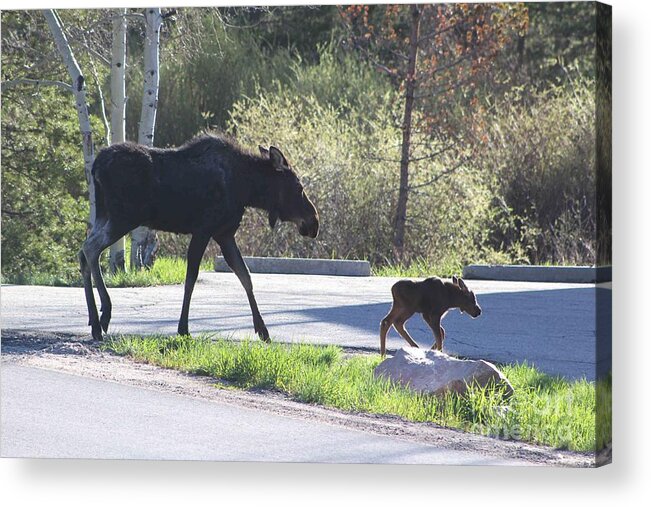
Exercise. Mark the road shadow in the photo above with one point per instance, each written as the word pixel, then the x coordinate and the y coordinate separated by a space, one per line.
pixel 571 327
pixel 20 342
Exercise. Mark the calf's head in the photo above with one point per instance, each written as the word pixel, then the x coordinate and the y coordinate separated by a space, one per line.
pixel 468 301
pixel 293 205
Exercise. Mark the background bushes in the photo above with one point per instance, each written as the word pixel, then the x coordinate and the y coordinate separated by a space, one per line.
pixel 541 158
pixel 526 194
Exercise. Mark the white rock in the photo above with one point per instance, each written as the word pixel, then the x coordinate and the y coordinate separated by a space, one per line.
pixel 431 371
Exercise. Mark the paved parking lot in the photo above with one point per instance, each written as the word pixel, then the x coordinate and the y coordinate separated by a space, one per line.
pixel 551 325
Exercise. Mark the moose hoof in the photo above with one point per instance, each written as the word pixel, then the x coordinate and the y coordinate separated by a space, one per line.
pixel 263 334
pixel 105 319
pixel 96 331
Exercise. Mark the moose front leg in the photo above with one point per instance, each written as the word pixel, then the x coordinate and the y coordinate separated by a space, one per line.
pixel 434 322
pixel 196 249
pixel 233 258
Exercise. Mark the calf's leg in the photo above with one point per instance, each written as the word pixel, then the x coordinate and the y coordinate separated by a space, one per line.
pixel 196 249
pixel 385 325
pixel 399 324
pixel 233 258
pixel 434 322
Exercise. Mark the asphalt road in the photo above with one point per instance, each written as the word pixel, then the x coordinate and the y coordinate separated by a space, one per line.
pixel 48 414
pixel 551 325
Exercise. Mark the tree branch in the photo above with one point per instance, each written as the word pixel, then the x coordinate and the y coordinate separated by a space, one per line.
pixel 442 174
pixel 107 128
pixel 92 52
pixel 35 82
pixel 436 33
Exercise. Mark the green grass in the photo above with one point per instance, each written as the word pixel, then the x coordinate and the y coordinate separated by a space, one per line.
pixel 544 409
pixel 165 271
pixel 419 268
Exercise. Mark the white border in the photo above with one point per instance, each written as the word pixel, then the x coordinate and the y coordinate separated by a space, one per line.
pixel 60 482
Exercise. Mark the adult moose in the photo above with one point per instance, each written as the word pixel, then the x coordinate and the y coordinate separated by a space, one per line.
pixel 200 188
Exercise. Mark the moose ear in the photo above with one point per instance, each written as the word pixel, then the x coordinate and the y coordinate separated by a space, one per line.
pixel 462 284
pixel 455 280
pixel 278 159
pixel 263 151
pixel 273 218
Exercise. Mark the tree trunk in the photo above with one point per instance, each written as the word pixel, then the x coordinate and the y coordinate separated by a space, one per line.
pixel 410 86
pixel 79 91
pixel 118 111
pixel 144 242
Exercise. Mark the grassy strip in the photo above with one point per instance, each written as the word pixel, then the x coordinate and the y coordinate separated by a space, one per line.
pixel 544 409
pixel 419 268
pixel 165 271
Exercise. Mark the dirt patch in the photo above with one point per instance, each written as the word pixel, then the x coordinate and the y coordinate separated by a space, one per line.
pixel 79 355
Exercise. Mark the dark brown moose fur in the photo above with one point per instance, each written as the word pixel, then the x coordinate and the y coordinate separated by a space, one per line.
pixel 432 298
pixel 202 189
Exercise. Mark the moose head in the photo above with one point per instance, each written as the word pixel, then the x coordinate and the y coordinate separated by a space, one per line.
pixel 292 204
pixel 467 301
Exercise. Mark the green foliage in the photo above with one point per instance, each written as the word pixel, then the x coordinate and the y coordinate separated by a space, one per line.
pixel 44 191
pixel 339 135
pixel 198 89
pixel 540 153
pixel 165 271
pixel 44 206
pixel 324 141
pixel 419 268
pixel 281 76
pixel 544 409
pixel 561 37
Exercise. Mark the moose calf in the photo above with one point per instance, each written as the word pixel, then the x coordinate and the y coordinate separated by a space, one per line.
pixel 432 298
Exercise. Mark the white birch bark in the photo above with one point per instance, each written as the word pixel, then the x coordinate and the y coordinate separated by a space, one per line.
pixel 79 91
pixel 153 22
pixel 144 242
pixel 118 110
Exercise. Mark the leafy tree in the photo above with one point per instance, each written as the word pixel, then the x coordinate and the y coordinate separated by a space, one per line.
pixel 44 199
pixel 435 55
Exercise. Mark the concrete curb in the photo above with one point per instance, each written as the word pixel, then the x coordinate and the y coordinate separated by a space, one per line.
pixel 293 266
pixel 559 274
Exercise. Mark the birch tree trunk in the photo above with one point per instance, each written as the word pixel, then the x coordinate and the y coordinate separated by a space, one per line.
pixel 118 111
pixel 79 92
pixel 144 242
pixel 410 86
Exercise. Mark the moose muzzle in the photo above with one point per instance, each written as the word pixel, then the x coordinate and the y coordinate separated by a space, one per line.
pixel 309 227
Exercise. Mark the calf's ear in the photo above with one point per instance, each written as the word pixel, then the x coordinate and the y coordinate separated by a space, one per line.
pixel 455 280
pixel 278 159
pixel 263 151
pixel 462 284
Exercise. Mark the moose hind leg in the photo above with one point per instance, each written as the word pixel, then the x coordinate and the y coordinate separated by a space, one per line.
pixel 400 327
pixel 385 325
pixel 439 344
pixel 93 318
pixel 101 237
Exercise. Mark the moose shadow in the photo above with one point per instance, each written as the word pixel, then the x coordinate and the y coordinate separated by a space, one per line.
pixel 566 331
pixel 561 331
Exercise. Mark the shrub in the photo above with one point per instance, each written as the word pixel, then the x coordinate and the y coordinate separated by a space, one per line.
pixel 335 124
pixel 541 151
pixel 44 203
